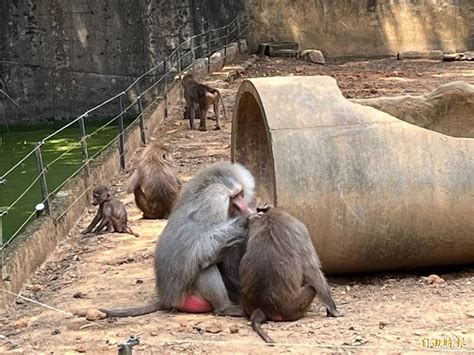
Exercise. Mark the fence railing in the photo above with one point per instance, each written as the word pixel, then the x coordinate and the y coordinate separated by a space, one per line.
pixel 69 151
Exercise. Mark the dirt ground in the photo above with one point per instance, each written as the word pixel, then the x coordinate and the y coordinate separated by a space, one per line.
pixel 385 312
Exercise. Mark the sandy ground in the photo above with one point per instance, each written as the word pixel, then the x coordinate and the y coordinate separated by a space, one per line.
pixel 396 312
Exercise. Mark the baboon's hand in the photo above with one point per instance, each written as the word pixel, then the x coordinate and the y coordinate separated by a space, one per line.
pixel 263 207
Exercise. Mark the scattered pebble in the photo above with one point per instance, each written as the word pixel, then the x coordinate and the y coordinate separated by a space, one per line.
pixel 435 280
pixel 36 288
pixel 21 323
pixel 214 328
pixel 80 348
pixel 95 314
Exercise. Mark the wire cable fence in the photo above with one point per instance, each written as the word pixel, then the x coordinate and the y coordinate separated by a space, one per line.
pixel 38 177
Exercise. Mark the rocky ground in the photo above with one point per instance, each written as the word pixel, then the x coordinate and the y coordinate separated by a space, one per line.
pixel 396 312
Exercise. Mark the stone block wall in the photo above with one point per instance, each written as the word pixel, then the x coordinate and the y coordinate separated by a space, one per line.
pixel 365 27
pixel 60 57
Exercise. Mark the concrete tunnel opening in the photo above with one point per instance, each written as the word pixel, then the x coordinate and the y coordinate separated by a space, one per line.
pixel 253 149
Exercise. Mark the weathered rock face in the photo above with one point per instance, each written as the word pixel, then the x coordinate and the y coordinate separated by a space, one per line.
pixel 435 54
pixel 449 109
pixel 59 58
pixel 365 27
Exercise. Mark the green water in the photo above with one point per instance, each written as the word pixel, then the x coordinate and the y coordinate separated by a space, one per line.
pixel 16 143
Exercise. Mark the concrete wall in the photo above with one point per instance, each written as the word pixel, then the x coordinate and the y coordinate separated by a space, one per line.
pixel 60 57
pixel 365 27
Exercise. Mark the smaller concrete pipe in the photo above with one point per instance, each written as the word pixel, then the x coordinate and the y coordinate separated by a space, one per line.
pixel 376 193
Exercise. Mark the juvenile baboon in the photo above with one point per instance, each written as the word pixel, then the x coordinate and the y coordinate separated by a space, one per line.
pixel 111 214
pixel 197 255
pixel 280 272
pixel 201 97
pixel 154 182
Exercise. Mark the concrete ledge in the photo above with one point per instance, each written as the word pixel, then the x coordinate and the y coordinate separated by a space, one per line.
pixel 433 54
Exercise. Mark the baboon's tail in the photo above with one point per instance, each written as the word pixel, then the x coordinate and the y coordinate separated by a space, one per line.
pixel 131 312
pixel 323 292
pixel 130 231
pixel 257 318
pixel 222 102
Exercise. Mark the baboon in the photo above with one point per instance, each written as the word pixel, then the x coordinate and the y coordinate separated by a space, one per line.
pixel 154 182
pixel 197 114
pixel 280 272
pixel 197 255
pixel 111 214
pixel 201 97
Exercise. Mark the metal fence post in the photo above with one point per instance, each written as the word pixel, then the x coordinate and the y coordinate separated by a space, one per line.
pixel 2 213
pixel 208 43
pixel 85 153
pixel 165 69
pixel 193 50
pixel 3 269
pixel 238 34
pixel 121 136
pixel 140 113
pixel 225 46
pixel 42 172
pixel 179 61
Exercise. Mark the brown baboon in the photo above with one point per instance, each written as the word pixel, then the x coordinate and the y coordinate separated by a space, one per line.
pixel 280 272
pixel 198 253
pixel 201 97
pixel 154 182
pixel 111 214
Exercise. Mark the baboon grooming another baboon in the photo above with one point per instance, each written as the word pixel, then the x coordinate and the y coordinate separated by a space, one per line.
pixel 280 272
pixel 201 97
pixel 198 253
pixel 111 214
pixel 154 182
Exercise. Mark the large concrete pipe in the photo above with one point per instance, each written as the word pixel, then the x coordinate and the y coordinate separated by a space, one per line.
pixel 376 192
